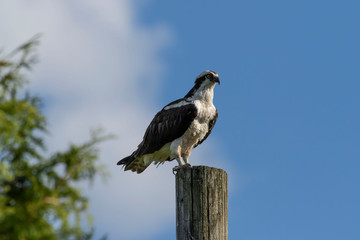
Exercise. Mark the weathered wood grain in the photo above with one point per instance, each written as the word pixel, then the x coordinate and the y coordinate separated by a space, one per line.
pixel 201 204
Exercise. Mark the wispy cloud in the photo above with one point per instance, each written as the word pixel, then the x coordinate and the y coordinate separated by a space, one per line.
pixel 100 68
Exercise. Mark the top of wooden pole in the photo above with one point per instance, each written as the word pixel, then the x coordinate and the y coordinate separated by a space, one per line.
pixel 201 203
pixel 201 168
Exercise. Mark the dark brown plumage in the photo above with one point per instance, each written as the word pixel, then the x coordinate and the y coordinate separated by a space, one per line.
pixel 178 128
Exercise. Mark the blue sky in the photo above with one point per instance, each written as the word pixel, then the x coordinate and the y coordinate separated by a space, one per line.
pixel 289 109
pixel 288 130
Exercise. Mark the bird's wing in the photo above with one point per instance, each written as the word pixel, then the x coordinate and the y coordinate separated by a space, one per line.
pixel 166 126
pixel 210 127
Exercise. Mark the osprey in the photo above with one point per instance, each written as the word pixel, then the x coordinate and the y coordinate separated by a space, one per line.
pixel 178 128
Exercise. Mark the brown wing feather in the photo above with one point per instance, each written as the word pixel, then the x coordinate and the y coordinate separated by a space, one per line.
pixel 166 126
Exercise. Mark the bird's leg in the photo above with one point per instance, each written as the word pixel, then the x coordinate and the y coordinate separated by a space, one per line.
pixel 179 161
pixel 176 168
pixel 185 157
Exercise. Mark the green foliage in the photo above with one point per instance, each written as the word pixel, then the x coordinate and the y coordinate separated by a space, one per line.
pixel 39 198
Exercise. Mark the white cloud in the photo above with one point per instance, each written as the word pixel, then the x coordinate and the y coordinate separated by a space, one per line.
pixel 100 68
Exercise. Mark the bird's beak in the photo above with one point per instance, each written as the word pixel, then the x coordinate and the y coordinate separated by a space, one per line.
pixel 217 80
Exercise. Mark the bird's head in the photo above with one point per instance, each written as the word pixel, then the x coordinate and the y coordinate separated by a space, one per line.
pixel 207 77
pixel 205 82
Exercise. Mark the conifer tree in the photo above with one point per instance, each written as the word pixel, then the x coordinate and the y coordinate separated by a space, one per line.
pixel 39 198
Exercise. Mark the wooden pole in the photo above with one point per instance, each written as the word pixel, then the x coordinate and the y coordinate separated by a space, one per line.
pixel 201 204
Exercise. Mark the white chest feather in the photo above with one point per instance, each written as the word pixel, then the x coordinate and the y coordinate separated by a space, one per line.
pixel 206 111
pixel 197 130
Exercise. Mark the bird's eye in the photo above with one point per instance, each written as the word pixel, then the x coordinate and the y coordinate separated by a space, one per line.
pixel 208 76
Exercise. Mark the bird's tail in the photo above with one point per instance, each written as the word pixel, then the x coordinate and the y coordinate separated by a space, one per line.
pixel 125 161
pixel 134 164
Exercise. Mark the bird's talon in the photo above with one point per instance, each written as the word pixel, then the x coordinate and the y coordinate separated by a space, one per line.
pixel 175 169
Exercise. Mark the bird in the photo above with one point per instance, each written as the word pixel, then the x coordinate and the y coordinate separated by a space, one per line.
pixel 177 128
